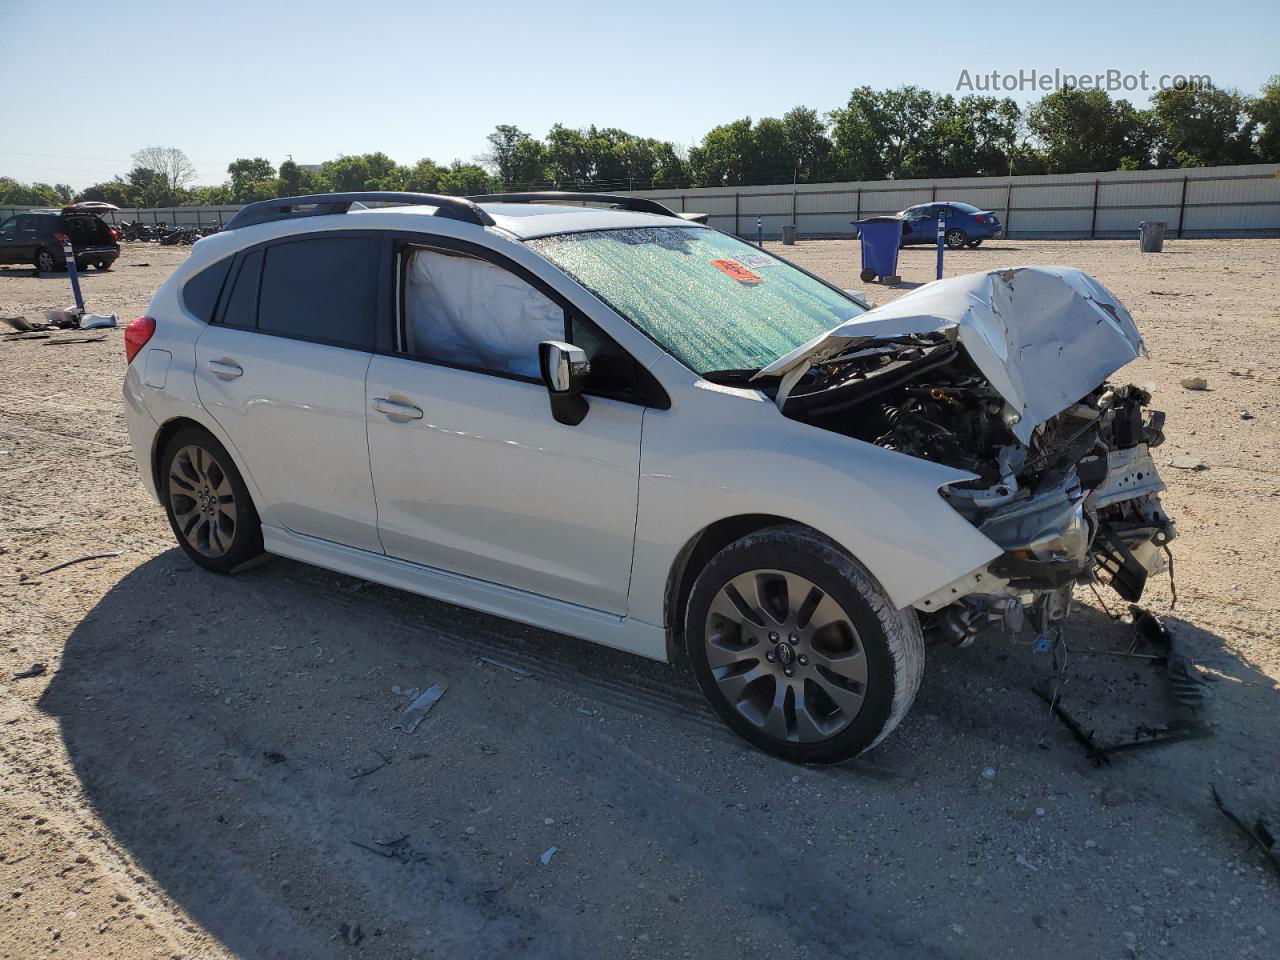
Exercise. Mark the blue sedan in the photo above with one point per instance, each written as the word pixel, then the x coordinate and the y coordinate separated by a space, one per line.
pixel 966 225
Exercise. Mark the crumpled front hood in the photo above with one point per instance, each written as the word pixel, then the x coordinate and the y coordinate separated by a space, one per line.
pixel 1043 336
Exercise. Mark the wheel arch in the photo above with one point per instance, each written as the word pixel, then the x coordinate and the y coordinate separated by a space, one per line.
pixel 695 555
pixel 167 432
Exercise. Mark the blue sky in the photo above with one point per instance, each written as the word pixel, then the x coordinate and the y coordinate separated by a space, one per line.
pixel 316 79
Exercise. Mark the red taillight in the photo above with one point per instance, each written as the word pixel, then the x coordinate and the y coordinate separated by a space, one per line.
pixel 115 234
pixel 136 335
pixel 60 238
pixel 980 217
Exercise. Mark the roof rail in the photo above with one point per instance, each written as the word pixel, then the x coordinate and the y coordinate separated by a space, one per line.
pixel 634 204
pixel 322 204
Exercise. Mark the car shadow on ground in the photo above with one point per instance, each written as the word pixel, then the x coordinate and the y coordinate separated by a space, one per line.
pixel 234 735
pixel 28 273
pixel 985 248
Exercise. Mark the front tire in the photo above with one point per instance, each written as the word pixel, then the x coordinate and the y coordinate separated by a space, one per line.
pixel 799 649
pixel 207 502
pixel 956 238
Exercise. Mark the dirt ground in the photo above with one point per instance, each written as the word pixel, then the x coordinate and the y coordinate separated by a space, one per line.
pixel 206 768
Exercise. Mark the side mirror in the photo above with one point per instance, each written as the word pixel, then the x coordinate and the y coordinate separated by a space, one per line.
pixel 564 369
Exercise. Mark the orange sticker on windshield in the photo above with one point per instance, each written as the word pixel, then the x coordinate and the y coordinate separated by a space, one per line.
pixel 736 270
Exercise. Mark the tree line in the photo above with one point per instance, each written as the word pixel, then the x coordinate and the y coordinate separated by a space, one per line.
pixel 899 134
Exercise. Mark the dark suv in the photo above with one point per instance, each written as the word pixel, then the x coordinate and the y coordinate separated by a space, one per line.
pixel 35 237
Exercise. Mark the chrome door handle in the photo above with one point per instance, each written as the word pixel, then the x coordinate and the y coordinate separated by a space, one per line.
pixel 224 369
pixel 397 411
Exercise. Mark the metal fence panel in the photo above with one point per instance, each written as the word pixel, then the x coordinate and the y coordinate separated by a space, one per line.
pixel 1260 220
pixel 1205 201
pixel 1124 221
pixel 1200 201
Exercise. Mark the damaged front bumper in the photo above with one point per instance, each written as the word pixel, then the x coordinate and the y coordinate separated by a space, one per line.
pixel 1116 533
pixel 1003 375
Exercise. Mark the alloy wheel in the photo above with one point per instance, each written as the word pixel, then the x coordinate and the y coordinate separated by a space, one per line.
pixel 202 501
pixel 44 261
pixel 955 238
pixel 786 656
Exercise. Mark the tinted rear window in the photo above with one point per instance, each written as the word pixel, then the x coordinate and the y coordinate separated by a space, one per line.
pixel 242 305
pixel 86 230
pixel 200 293
pixel 322 288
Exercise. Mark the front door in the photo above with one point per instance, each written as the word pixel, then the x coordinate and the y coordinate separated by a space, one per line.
pixel 19 238
pixel 922 226
pixel 472 473
pixel 283 373
pixel 9 240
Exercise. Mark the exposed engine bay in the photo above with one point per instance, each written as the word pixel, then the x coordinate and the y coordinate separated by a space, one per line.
pixel 1071 498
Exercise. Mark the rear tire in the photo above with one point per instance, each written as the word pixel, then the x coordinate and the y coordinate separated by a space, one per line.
pixel 956 238
pixel 207 502
pixel 44 261
pixel 798 648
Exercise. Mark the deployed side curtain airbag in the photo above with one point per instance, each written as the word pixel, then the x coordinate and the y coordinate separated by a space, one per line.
pixel 463 310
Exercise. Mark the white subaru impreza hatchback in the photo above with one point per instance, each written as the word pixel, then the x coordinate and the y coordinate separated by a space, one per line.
pixel 616 423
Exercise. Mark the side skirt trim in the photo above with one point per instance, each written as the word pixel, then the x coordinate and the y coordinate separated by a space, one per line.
pixel 621 633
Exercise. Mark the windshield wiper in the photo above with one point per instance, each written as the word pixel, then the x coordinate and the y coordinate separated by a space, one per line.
pixel 741 375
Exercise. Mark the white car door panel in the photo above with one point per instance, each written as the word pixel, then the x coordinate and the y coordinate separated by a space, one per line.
pixel 283 374
pixel 484 482
pixel 295 412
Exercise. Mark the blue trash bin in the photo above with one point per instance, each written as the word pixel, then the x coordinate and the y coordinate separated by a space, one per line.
pixel 880 238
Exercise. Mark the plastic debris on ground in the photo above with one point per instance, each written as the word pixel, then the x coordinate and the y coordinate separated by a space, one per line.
pixel 399 849
pixel 1259 834
pixel 94 321
pixel 66 563
pixel 1183 685
pixel 383 761
pixel 64 318
pixel 414 713
pixel 520 672
pixel 548 854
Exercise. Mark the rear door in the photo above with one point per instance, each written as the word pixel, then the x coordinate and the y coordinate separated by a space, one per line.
pixel 282 371
pixel 473 474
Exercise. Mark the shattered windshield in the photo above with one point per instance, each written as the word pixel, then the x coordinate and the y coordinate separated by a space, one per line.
pixel 709 299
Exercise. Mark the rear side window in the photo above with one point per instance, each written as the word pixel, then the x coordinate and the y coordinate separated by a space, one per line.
pixel 242 305
pixel 321 288
pixel 200 293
